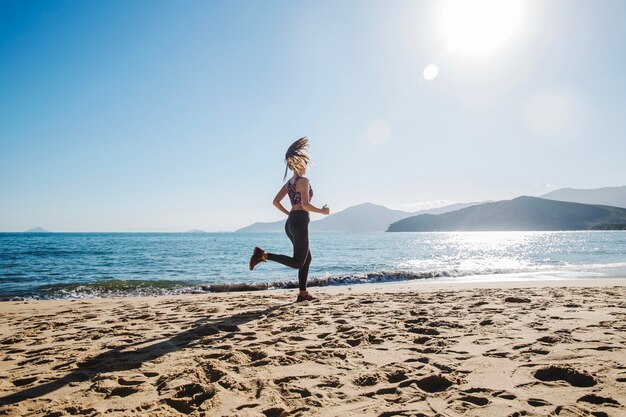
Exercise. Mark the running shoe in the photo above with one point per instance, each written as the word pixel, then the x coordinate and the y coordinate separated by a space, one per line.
pixel 257 256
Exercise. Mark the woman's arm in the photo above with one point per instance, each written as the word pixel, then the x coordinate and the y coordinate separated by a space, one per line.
pixel 303 188
pixel 279 197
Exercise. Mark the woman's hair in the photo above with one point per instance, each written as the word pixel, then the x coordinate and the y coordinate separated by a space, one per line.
pixel 297 156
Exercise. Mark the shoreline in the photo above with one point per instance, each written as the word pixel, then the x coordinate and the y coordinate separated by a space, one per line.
pixel 256 287
pixel 403 348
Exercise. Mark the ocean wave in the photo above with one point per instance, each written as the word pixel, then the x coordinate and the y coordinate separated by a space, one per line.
pixel 137 287
pixel 125 288
pixel 353 279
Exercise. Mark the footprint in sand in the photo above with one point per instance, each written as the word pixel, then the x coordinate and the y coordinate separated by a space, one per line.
pixel 550 340
pixel 473 399
pixel 567 374
pixel 596 399
pixel 432 383
pixel 111 386
pixel 575 411
pixel 131 381
pixel 535 351
pixel 276 412
pixel 537 402
pixel 397 375
pixel 368 379
pixel 21 382
pixel 423 330
pixel 187 398
pixel 330 382
pixel 494 353
pixel 505 395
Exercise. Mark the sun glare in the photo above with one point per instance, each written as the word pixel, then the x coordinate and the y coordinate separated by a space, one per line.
pixel 479 27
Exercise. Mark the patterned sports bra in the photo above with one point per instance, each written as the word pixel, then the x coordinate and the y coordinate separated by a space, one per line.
pixel 294 195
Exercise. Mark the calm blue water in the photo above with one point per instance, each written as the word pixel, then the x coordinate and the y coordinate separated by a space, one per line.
pixel 61 265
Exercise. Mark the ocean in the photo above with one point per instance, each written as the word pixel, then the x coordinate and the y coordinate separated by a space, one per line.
pixel 80 265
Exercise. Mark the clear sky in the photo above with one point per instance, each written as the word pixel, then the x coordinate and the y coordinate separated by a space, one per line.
pixel 171 115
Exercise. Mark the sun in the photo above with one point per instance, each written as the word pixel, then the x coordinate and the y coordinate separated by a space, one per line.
pixel 479 27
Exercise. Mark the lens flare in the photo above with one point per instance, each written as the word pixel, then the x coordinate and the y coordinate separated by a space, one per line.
pixel 378 132
pixel 430 72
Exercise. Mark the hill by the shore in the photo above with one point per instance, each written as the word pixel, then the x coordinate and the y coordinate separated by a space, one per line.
pixel 607 196
pixel 522 213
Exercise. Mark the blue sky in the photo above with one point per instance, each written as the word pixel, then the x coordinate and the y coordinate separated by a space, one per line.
pixel 167 116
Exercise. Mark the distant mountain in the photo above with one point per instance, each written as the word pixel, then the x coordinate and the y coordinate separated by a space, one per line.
pixel 195 231
pixel 37 229
pixel 607 196
pixel 261 227
pixel 522 213
pixel 366 217
pixel 447 209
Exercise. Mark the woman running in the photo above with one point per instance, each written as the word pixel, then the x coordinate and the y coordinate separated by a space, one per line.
pixel 297 226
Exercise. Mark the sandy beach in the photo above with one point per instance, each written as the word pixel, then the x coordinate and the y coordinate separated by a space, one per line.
pixel 530 348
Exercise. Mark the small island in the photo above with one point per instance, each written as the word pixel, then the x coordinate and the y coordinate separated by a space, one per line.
pixel 37 229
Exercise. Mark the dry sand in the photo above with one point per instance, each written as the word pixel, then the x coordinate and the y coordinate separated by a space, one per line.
pixel 521 349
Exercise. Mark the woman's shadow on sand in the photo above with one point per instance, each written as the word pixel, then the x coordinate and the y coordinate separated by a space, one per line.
pixel 126 357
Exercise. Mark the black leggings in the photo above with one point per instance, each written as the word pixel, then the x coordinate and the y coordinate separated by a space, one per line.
pixel 297 229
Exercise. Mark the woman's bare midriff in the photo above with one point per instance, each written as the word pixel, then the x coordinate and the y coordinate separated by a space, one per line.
pixel 296 207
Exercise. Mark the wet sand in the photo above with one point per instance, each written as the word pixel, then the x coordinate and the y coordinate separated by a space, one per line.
pixel 531 348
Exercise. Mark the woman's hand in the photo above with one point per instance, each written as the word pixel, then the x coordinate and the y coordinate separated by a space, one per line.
pixel 325 210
